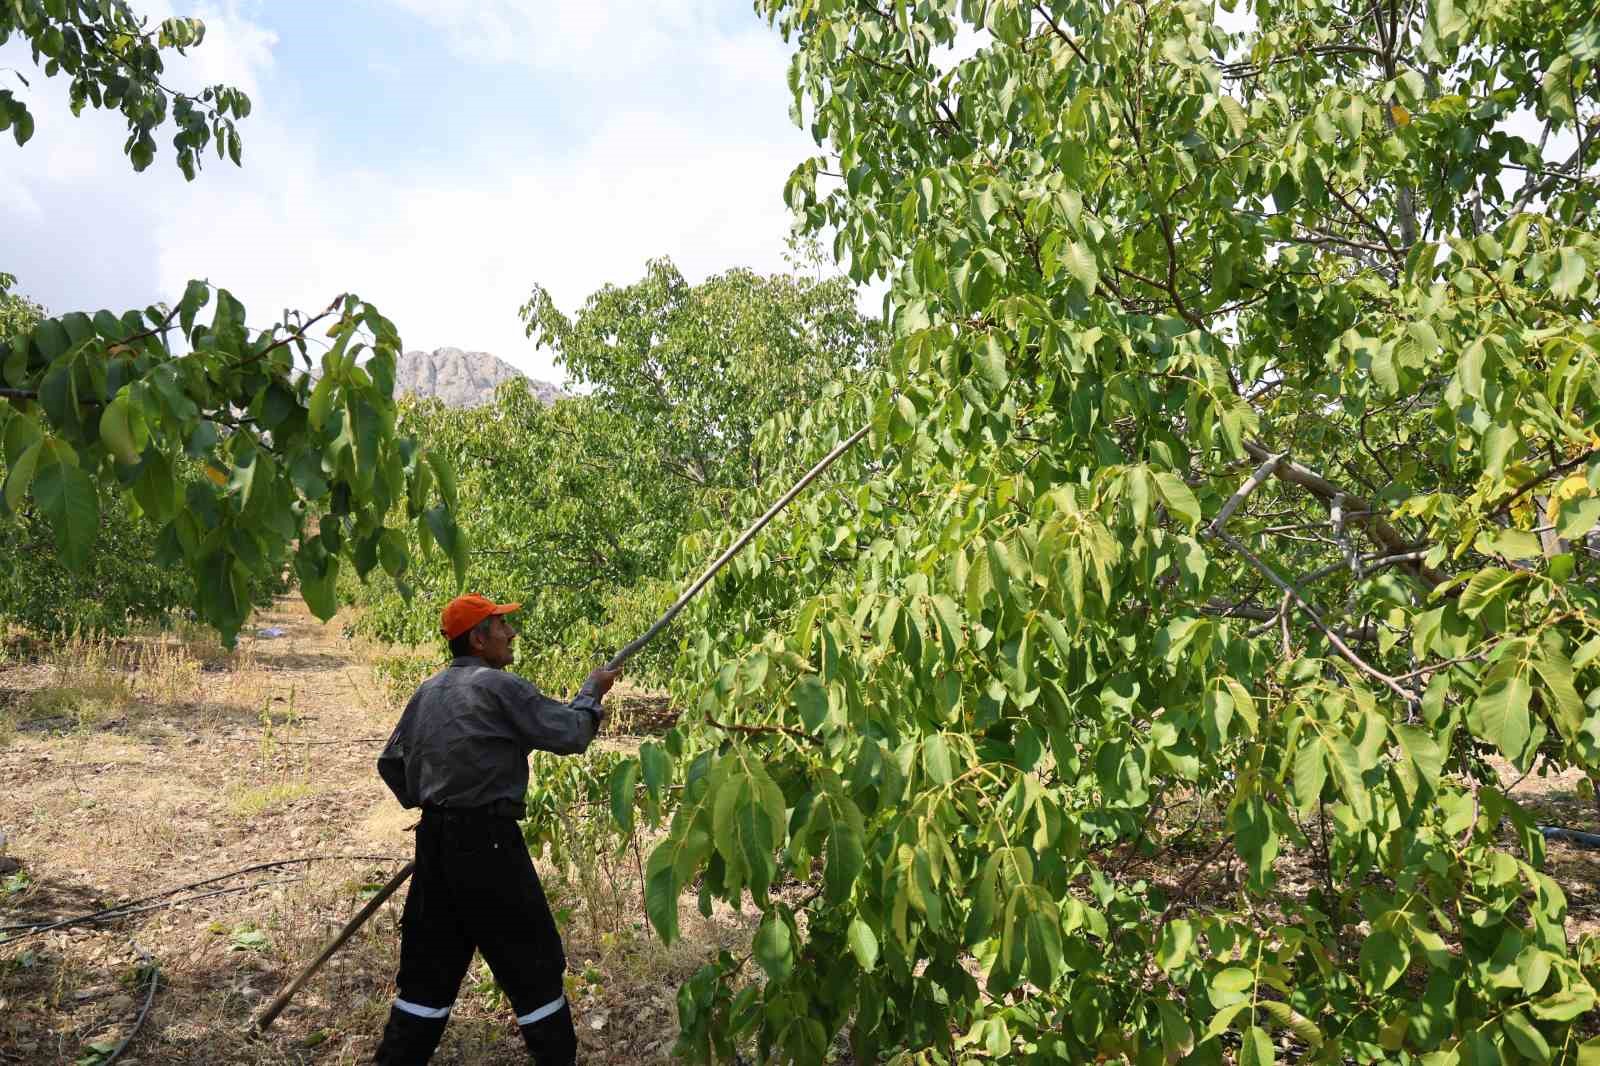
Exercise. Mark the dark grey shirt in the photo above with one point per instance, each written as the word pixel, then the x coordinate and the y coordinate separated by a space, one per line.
pixel 464 738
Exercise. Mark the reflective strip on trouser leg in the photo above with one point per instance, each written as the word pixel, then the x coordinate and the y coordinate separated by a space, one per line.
pixel 420 1011
pixel 543 1012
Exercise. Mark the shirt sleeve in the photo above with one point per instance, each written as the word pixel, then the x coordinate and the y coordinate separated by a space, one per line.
pixel 550 725
pixel 392 760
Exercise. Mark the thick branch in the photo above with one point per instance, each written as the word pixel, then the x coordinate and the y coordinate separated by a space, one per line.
pixel 1262 472
pixel 1359 512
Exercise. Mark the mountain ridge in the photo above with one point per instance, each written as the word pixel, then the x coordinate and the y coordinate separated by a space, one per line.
pixel 461 378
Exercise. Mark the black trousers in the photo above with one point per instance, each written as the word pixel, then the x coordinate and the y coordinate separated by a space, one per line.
pixel 475 888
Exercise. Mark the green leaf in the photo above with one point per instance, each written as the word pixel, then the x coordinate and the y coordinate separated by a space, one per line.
pixel 1578 517
pixel 1081 264
pixel 50 339
pixel 1383 369
pixel 68 499
pixel 863 944
pixel 936 759
pixel 1345 766
pixel 949 616
pixel 991 363
pixel 623 779
pixel 117 433
pixel 1177 1036
pixel 1423 750
pixel 1503 712
pixel 1533 969
pixel 753 673
pixel 1058 634
pixel 1525 1036
pixel 20 477
pixel 305 471
pixel 318 573
pixel 195 296
pixel 1484 587
pixel 446 477
pixel 1383 960
pixel 1568 279
pixel 1177 937
pixel 661 891
pixel 656 766
pixel 811 701
pixel 772 948
pixel 1469 369
pixel 1310 774
pixel 1302 1027
pixel 1234 112
pixel 1230 985
pixel 1572 1002
pixel 451 539
pixel 242 481
pixel 320 406
pixel 1516 544
pixel 21 433
pixel 1565 704
pixel 392 552
pixel 1257 1049
pixel 846 849
pixel 1223 1018
pixel 1178 497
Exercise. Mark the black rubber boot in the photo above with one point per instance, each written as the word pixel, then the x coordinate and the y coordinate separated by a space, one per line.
pixel 409 1040
pixel 552 1041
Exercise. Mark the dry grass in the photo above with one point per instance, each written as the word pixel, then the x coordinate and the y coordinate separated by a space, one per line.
pixel 87 684
pixel 254 802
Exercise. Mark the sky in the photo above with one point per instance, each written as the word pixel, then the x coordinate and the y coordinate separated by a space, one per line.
pixel 438 157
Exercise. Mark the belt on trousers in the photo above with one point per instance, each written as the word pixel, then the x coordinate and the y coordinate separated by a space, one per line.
pixel 502 808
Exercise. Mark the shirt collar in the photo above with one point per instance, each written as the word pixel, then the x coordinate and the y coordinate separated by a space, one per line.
pixel 468 660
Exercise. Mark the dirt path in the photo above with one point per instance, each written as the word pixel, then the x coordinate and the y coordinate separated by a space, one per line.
pixel 118 785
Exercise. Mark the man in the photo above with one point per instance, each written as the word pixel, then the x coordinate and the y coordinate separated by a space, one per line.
pixel 460 752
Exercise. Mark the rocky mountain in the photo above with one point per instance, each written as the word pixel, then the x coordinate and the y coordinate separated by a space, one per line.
pixel 460 379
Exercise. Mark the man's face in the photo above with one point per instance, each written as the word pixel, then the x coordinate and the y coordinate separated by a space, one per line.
pixel 495 649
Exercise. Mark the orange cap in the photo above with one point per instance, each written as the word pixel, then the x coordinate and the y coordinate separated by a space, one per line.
pixel 464 612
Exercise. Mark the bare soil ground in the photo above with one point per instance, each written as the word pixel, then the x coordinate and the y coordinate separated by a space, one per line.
pixel 131 768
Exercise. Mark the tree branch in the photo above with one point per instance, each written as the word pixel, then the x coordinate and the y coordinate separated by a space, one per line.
pixel 1505 505
pixel 1360 511
pixel 1262 472
pixel 1333 638
pixel 763 730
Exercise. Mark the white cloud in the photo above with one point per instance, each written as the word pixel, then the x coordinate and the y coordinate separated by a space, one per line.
pixel 448 250
pixel 591 39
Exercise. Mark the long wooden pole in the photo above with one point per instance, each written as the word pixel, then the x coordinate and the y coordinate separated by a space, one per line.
pixel 733 549
pixel 275 1008
pixel 268 1016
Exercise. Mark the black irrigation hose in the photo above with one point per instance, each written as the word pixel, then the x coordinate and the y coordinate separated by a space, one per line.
pixel 149 998
pixel 1571 836
pixel 109 913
